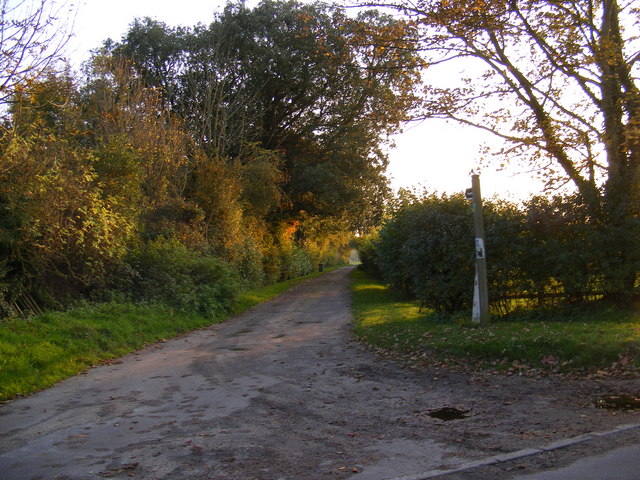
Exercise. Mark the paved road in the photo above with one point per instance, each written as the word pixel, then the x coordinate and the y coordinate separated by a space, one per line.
pixel 281 392
pixel 611 455
pixel 622 463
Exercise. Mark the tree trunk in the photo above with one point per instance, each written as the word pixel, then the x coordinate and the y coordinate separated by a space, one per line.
pixel 619 101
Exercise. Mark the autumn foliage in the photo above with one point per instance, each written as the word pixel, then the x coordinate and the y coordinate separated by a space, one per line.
pixel 190 163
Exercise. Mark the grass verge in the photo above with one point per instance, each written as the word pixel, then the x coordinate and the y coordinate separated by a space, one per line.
pixel 36 353
pixel 600 341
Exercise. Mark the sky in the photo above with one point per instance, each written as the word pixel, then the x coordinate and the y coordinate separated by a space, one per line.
pixel 432 155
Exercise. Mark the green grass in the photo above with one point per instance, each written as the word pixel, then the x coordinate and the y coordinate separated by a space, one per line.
pixel 599 340
pixel 36 353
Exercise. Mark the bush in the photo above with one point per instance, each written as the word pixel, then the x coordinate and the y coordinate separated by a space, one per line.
pixel 510 255
pixel 438 254
pixel 426 252
pixel 250 265
pixel 547 252
pixel 563 246
pixel 296 263
pixel 169 273
pixel 367 254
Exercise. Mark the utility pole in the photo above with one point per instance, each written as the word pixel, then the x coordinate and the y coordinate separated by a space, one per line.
pixel 480 291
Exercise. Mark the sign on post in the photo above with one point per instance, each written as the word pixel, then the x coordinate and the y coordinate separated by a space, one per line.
pixel 480 291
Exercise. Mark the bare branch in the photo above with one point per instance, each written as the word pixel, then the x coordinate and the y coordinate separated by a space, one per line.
pixel 33 36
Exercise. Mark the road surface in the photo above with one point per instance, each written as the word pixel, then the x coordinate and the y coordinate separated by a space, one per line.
pixel 285 392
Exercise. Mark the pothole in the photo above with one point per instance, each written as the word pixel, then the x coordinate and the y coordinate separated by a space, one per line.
pixel 618 402
pixel 448 413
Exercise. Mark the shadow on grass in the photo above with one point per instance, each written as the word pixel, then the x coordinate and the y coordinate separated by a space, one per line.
pixel 553 342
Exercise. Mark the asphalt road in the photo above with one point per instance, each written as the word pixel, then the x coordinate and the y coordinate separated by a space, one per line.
pixel 284 392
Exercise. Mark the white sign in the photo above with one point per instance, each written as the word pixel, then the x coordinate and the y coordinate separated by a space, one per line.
pixel 479 248
pixel 475 315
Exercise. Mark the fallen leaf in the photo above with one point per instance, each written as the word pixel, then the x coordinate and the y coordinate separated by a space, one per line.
pixel 549 360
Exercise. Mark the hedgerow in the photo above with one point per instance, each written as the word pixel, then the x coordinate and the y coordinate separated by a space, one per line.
pixel 544 252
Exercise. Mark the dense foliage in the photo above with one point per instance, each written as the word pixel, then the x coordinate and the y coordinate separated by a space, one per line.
pixel 189 163
pixel 317 88
pixel 558 83
pixel 541 253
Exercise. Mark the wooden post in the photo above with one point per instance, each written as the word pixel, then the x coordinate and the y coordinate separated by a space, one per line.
pixel 481 293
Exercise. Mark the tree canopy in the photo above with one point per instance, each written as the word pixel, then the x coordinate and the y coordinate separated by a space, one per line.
pixel 558 81
pixel 205 158
pixel 305 80
pixel 559 84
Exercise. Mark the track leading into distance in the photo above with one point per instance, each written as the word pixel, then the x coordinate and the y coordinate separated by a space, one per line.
pixel 280 392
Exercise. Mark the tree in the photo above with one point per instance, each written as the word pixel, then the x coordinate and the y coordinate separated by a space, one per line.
pixel 33 35
pixel 158 51
pixel 559 85
pixel 321 89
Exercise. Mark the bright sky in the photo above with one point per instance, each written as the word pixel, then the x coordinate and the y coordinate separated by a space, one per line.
pixel 434 154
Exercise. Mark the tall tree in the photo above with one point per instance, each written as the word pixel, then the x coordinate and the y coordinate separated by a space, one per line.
pixel 321 88
pixel 559 83
pixel 158 51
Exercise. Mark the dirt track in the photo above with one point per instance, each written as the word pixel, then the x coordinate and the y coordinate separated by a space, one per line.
pixel 284 392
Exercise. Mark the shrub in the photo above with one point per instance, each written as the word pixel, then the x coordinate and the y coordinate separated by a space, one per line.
pixel 367 253
pixel 438 254
pixel 250 264
pixel 426 252
pixel 548 251
pixel 167 272
pixel 297 262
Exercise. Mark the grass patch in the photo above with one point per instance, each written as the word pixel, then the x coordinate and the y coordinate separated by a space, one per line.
pixel 36 353
pixel 600 340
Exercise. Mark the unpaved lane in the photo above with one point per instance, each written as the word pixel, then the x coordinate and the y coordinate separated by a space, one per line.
pixel 282 392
